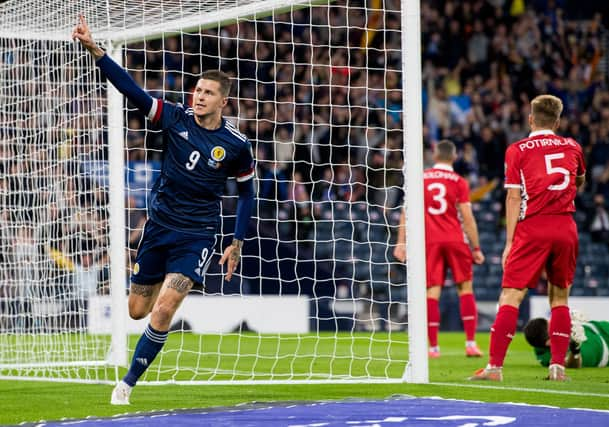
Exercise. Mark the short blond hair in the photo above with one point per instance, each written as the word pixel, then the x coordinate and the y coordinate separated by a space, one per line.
pixel 445 151
pixel 546 110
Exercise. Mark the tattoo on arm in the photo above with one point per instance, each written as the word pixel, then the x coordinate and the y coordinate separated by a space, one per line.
pixel 235 255
pixel 143 290
pixel 180 283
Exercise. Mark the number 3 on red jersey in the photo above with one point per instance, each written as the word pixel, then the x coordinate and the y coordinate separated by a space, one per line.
pixel 438 191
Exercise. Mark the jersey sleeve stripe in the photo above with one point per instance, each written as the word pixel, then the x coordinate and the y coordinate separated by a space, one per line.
pixel 232 129
pixel 155 110
pixel 511 186
pixel 245 176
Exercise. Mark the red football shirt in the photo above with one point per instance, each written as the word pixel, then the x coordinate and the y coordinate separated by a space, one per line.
pixel 444 189
pixel 544 167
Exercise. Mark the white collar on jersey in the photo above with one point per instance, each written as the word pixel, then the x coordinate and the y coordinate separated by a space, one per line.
pixel 541 132
pixel 443 166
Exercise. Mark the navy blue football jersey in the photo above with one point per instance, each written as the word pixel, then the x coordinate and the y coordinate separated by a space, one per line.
pixel 196 165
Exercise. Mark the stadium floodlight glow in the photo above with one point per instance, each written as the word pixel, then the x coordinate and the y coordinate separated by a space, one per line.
pixel 319 88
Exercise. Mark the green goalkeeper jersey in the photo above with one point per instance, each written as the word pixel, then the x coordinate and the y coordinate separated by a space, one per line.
pixel 594 350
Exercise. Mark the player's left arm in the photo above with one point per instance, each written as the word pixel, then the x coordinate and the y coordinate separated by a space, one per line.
pixel 468 224
pixel 245 203
pixel 580 179
pixel 471 230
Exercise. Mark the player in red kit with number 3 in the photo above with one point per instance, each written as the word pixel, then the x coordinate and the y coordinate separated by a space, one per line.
pixel 448 215
pixel 542 174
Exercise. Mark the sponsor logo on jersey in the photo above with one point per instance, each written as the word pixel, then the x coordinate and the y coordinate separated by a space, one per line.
pixel 184 135
pixel 136 268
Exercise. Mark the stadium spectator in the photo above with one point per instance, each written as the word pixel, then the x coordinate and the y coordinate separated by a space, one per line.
pixel 529 52
pixel 381 285
pixel 446 201
pixel 599 225
pixel 274 188
pixel 588 342
pixel 86 271
pixel 542 175
pixel 21 289
pixel 490 149
pixel 600 186
pixel 179 237
pixel 299 196
pixel 467 164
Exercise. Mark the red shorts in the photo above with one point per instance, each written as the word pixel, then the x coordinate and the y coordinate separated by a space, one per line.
pixel 457 256
pixel 542 241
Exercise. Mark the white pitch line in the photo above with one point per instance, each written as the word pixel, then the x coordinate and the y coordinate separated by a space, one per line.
pixel 532 390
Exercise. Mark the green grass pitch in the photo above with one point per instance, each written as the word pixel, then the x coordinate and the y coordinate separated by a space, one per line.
pixel 29 401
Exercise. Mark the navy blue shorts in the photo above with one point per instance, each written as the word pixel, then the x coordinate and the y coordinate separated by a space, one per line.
pixel 163 250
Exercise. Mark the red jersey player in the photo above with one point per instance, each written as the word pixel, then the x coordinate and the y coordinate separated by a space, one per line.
pixel 542 173
pixel 447 198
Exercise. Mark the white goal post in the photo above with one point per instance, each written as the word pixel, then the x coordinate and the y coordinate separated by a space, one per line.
pixel 328 92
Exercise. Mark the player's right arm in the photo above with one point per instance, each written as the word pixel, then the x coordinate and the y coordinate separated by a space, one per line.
pixel 114 73
pixel 574 358
pixel 512 212
pixel 512 199
pixel 399 252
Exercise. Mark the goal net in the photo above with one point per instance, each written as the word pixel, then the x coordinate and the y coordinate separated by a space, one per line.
pixel 317 88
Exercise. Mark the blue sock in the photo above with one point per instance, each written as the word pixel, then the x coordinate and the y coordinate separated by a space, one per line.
pixel 149 345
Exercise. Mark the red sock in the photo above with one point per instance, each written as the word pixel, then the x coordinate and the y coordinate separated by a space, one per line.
pixel 469 315
pixel 560 333
pixel 502 332
pixel 433 321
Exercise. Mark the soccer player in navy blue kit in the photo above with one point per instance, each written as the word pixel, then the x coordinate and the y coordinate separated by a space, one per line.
pixel 201 151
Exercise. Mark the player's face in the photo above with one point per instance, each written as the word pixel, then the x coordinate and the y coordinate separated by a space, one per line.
pixel 207 98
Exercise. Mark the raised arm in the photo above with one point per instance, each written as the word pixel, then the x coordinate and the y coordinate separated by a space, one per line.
pixel 82 33
pixel 113 72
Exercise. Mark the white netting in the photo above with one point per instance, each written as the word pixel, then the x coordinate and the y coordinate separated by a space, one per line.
pixel 124 20
pixel 53 215
pixel 317 89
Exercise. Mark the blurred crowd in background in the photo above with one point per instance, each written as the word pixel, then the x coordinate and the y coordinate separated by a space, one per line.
pixel 319 93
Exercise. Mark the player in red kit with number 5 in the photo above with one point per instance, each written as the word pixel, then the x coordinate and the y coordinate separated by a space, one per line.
pixel 448 215
pixel 542 174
